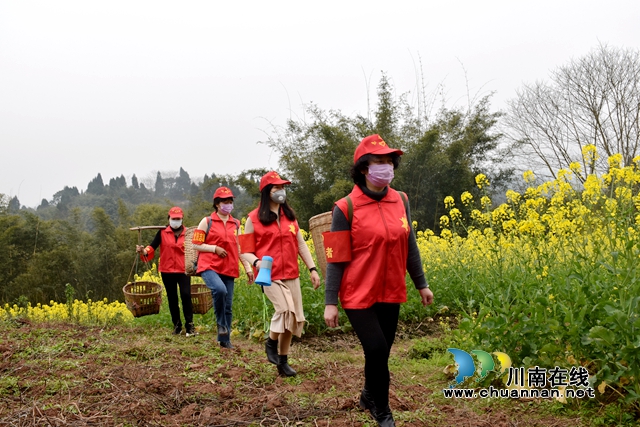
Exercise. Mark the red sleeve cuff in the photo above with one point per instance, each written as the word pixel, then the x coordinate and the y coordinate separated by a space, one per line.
pixel 150 254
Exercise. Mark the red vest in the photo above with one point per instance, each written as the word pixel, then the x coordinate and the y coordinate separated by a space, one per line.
pixel 171 252
pixel 225 236
pixel 280 243
pixel 379 248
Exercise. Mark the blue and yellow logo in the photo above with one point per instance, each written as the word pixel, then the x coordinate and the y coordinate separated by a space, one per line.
pixel 467 367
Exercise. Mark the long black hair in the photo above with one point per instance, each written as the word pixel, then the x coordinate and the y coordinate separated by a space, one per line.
pixel 357 170
pixel 265 215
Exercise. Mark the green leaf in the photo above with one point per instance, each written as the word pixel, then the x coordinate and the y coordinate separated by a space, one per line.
pixel 598 335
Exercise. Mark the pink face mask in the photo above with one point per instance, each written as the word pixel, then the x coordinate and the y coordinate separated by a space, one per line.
pixel 380 175
pixel 226 208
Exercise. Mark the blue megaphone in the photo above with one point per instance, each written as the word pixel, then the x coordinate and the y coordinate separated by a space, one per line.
pixel 264 275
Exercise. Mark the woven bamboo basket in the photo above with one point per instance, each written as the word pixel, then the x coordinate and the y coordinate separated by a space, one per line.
pixel 143 298
pixel 190 253
pixel 201 298
pixel 317 225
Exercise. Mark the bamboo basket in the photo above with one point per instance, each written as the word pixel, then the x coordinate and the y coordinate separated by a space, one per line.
pixel 201 298
pixel 143 298
pixel 190 253
pixel 317 225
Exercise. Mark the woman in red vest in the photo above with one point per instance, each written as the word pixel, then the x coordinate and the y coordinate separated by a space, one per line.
pixel 171 268
pixel 216 240
pixel 276 233
pixel 370 282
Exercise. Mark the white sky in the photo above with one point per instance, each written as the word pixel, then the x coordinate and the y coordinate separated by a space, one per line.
pixel 124 87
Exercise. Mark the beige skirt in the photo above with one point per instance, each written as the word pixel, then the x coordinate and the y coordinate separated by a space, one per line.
pixel 286 297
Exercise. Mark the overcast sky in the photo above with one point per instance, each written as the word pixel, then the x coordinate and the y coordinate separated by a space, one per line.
pixel 124 87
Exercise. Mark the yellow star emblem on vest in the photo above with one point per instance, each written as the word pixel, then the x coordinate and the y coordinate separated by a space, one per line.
pixel 292 228
pixel 405 223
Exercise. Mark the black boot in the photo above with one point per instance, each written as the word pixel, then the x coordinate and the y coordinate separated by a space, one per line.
pixel 385 418
pixel 366 402
pixel 223 331
pixel 283 367
pixel 271 348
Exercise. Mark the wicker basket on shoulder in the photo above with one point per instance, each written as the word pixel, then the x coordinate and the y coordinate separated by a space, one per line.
pixel 201 298
pixel 190 253
pixel 317 225
pixel 143 298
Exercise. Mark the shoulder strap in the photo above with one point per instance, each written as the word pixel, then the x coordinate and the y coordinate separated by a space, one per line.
pixel 405 199
pixel 209 222
pixel 349 209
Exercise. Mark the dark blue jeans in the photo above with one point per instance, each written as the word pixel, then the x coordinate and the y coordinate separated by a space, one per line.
pixel 222 291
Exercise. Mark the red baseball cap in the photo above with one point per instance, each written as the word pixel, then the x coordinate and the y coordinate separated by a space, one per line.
pixel 175 212
pixel 223 193
pixel 373 144
pixel 272 178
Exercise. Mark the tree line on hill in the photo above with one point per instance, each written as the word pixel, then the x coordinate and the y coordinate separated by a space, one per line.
pixel 83 237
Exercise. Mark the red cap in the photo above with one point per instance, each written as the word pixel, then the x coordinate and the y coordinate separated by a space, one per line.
pixel 223 193
pixel 175 212
pixel 272 178
pixel 373 144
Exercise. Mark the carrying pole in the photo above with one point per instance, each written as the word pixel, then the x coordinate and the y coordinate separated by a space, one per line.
pixel 148 227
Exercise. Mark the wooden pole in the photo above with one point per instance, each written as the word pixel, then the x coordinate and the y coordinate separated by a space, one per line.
pixel 149 227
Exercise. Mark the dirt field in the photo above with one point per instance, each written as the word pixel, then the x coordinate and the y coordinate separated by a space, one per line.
pixel 66 375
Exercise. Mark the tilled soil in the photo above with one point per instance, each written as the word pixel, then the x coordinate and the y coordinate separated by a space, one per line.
pixel 66 375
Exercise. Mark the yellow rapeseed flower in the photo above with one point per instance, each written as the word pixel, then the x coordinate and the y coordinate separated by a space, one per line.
pixel 615 161
pixel 575 167
pixel 528 177
pixel 449 202
pixel 466 198
pixel 482 181
pixel 485 201
pixel 589 154
pixel 513 196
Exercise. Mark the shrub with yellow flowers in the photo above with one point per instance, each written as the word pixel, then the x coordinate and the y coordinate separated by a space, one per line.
pixel 100 313
pixel 552 275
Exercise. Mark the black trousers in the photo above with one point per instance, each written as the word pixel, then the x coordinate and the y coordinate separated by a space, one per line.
pixel 376 329
pixel 171 283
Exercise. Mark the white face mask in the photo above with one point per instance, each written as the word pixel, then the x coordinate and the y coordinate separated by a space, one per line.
pixel 175 223
pixel 279 196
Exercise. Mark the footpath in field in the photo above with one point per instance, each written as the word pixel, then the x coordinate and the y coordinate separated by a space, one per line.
pixel 69 375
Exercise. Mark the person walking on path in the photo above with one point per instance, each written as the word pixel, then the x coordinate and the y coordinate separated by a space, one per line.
pixel 272 230
pixel 216 240
pixel 170 240
pixel 376 251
